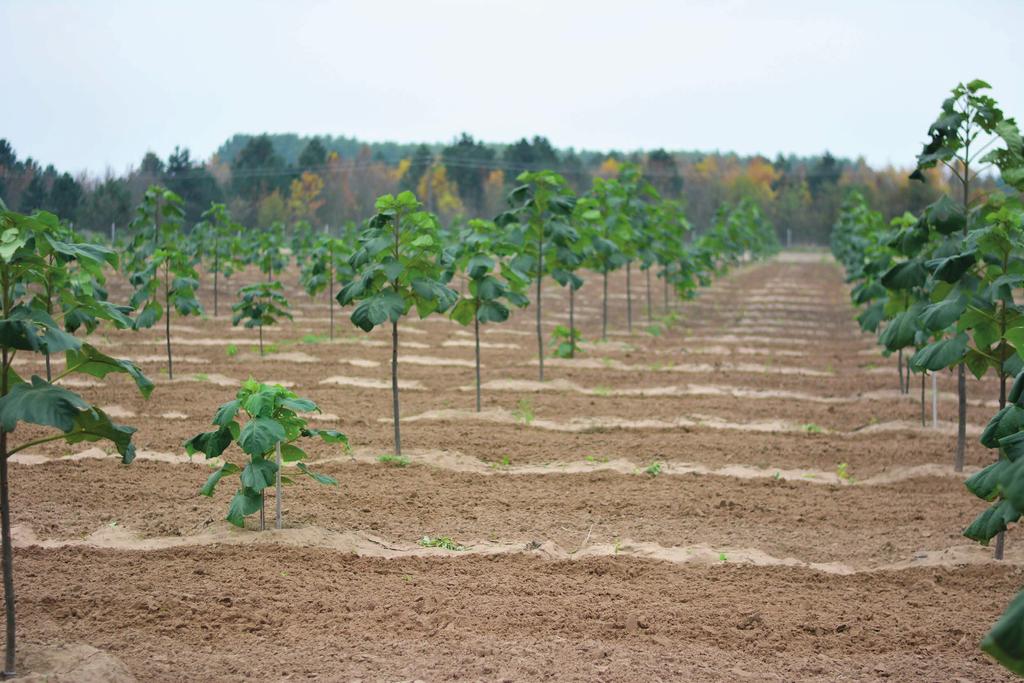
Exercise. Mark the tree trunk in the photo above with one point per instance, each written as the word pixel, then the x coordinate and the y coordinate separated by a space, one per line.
pixel 665 292
pixel 167 319
pixel 330 290
pixel 216 268
pixel 572 321
pixel 650 317
pixel 961 419
pixel 476 333
pixel 540 278
pixel 604 309
pixel 899 368
pixel 261 341
pixel 1001 536
pixel 961 372
pixel 263 509
pixel 935 401
pixel 394 388
pixel 629 297
pixel 277 494
pixel 5 534
pixel 923 421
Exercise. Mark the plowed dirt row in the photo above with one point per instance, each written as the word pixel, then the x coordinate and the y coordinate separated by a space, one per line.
pixel 781 438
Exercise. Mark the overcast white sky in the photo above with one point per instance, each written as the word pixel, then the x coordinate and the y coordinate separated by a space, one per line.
pixel 91 84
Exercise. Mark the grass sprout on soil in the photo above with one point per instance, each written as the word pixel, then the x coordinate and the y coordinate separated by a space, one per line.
pixel 444 542
pixel 524 411
pixel 393 460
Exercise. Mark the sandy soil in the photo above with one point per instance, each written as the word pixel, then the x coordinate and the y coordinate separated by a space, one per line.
pixel 803 525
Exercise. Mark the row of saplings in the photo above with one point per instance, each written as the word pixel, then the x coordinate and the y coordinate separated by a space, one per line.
pixel 52 285
pixel 942 285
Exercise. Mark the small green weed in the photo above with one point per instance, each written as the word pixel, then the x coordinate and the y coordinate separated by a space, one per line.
pixel 524 411
pixel 654 469
pixel 811 428
pixel 722 557
pixel 504 462
pixel 445 542
pixel 232 350
pixel 602 390
pixel 393 460
pixel 201 377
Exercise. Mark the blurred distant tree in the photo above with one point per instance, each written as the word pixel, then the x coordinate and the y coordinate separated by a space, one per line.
pixel 152 165
pixel 109 203
pixel 192 182
pixel 313 155
pixel 419 163
pixel 65 197
pixel 663 173
pixel 468 163
pixel 529 155
pixel 35 195
pixel 258 170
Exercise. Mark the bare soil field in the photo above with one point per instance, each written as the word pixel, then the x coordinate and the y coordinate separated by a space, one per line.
pixel 804 525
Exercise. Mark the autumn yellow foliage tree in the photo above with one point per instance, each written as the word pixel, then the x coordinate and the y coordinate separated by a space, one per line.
pixel 609 168
pixel 440 193
pixel 304 198
pixel 272 208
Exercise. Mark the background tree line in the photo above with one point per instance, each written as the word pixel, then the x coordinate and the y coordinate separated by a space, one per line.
pixel 334 180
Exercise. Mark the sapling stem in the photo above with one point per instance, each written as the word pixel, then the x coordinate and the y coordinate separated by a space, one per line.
pixel 394 387
pixel 922 400
pixel 604 308
pixel 650 317
pixel 330 288
pixel 277 493
pixel 540 278
pixel 216 268
pixel 476 334
pixel 5 522
pixel 904 382
pixel 935 401
pixel 167 317
pixel 572 321
pixel 629 297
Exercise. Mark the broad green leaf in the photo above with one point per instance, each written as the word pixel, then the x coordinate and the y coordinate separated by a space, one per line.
pixel 226 413
pixel 299 405
pixel 905 275
pixel 291 453
pixel 985 483
pixel 218 474
pixel 245 502
pixel 939 316
pixel 41 403
pixel 210 444
pixel 381 307
pixel 91 361
pixel 990 522
pixel 1005 642
pixel 259 435
pixel 259 474
pixel 941 354
pixel 322 478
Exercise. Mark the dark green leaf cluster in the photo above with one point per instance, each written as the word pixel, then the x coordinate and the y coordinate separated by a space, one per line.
pixel 400 264
pixel 257 420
